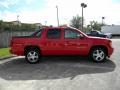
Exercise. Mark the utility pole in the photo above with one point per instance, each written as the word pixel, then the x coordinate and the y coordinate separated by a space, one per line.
pixel 45 23
pixel 82 19
pixel 83 5
pixel 18 22
pixel 57 15
pixel 18 18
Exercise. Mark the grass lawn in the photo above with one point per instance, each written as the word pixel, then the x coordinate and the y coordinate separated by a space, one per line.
pixel 4 52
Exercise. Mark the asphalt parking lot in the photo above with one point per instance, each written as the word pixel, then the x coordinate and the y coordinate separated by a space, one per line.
pixel 61 73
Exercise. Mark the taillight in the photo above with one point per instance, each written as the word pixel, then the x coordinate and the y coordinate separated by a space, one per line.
pixel 11 43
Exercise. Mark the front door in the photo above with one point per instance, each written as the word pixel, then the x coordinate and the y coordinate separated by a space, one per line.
pixel 73 44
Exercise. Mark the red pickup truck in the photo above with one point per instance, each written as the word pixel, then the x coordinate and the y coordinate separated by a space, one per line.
pixel 60 41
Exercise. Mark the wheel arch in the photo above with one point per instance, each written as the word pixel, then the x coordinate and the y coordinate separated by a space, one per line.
pixel 99 46
pixel 26 48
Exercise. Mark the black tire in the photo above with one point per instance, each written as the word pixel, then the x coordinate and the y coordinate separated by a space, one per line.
pixel 98 54
pixel 32 56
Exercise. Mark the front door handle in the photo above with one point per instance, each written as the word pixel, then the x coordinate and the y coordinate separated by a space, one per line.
pixel 72 43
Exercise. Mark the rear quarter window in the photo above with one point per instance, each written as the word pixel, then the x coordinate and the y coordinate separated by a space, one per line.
pixel 37 33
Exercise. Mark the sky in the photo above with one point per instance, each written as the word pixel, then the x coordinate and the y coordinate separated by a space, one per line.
pixel 44 11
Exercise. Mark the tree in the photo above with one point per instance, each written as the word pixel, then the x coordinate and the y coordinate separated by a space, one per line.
pixel 94 25
pixel 1 25
pixel 87 29
pixel 7 26
pixel 76 22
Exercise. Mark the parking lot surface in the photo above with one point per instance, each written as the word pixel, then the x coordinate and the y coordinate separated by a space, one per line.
pixel 61 73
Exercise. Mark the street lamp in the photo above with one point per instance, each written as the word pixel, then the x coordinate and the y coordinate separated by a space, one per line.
pixel 45 23
pixel 83 5
pixel 102 20
pixel 57 16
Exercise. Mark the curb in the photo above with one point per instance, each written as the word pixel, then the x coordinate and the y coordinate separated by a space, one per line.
pixel 7 57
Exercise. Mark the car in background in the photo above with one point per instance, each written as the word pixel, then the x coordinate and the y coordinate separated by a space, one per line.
pixel 109 35
pixel 99 34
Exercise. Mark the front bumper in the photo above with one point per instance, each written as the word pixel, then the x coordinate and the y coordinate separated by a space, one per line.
pixel 110 51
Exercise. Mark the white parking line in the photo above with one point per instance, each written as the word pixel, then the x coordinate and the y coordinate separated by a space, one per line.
pixel 87 66
pixel 9 59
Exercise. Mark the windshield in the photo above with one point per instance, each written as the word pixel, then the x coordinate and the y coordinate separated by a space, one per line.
pixel 99 32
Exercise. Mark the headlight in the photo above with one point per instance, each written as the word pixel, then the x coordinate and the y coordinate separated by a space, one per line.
pixel 110 43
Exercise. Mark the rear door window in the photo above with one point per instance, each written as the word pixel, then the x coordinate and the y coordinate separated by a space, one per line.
pixel 54 34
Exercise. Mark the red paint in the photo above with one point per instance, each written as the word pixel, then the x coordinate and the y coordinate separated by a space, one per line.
pixel 61 46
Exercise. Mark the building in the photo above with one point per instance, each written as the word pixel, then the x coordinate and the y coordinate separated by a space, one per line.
pixel 113 29
pixel 16 23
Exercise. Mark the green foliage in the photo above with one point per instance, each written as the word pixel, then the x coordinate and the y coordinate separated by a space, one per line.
pixel 4 52
pixel 76 22
pixel 94 25
pixel 27 27
pixel 87 29
pixel 1 25
pixel 10 26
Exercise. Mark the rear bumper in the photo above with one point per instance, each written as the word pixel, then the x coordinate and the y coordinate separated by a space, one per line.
pixel 16 52
pixel 10 51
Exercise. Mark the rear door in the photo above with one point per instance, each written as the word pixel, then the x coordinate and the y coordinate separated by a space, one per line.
pixel 52 42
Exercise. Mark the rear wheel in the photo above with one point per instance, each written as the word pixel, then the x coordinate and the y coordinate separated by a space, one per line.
pixel 98 54
pixel 32 56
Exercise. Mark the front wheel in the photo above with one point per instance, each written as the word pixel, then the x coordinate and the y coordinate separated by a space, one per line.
pixel 32 56
pixel 98 54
